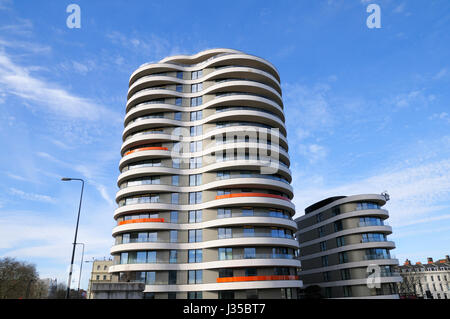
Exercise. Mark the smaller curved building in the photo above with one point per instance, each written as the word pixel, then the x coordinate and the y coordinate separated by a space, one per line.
pixel 344 248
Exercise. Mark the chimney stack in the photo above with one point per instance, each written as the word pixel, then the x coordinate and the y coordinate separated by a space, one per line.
pixel 430 260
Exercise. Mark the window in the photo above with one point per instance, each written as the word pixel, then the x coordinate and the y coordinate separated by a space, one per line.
pixel 345 274
pixel 195 216
pixel 326 276
pixel 338 225
pixel 321 231
pixel 179 74
pixel 195 146
pixel 98 277
pixel 249 252
pixel 347 291
pixel 196 87
pixel 175 180
pixel 336 211
pixel 250 272
pixel 249 231
pixel 224 233
pixel 195 180
pixel 123 258
pixel 373 237
pixel 223 212
pixel 151 256
pixel 340 241
pixel 172 277
pixel 174 216
pixel 195 295
pixel 319 217
pixel 361 206
pixel 195 276
pixel 328 292
pixel 150 277
pixel 221 192
pixel 196 130
pixel 179 88
pixel 225 253
pixel 195 116
pixel 196 74
pixel 323 246
pixel 177 116
pixel 173 256
pixel 178 101
pixel 195 198
pixel 173 236
pixel 195 256
pixel 225 272
pixel 223 175
pixel 226 294
pixel 171 295
pixel 196 101
pixel 175 198
pixel 324 261
pixel 195 235
pixel 247 211
pixel 195 162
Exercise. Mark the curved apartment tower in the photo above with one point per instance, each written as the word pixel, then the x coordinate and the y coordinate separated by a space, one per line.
pixel 205 205
pixel 344 248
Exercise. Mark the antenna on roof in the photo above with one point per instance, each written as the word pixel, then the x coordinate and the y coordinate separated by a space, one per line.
pixel 386 195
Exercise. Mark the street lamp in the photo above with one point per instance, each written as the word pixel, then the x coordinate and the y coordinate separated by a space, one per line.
pixel 65 179
pixel 81 267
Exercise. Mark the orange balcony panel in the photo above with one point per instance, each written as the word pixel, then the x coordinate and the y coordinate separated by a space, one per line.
pixel 147 149
pixel 251 195
pixel 142 220
pixel 256 278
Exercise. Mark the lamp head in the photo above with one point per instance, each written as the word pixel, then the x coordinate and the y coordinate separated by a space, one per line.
pixel 65 179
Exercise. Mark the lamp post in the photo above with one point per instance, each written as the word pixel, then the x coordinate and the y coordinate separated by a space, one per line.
pixel 81 267
pixel 65 179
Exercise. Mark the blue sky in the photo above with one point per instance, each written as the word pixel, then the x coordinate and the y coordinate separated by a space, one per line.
pixel 367 109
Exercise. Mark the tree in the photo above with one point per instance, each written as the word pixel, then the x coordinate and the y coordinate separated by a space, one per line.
pixel 17 279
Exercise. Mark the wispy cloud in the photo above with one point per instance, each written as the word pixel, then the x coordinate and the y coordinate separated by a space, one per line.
pixel 18 80
pixel 31 196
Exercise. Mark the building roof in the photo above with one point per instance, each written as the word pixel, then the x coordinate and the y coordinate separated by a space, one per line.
pixel 322 203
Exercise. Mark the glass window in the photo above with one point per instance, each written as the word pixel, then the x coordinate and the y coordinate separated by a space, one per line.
pixel 249 252
pixel 179 74
pixel 173 236
pixel 174 216
pixel 225 272
pixel 195 198
pixel 179 88
pixel 323 246
pixel 324 261
pixel 175 180
pixel 141 257
pixel 172 277
pixel 225 253
pixel 151 256
pixel 249 231
pixel 223 212
pixel 250 272
pixel 178 101
pixel 247 212
pixel 150 277
pixel 195 235
pixel 224 233
pixel 173 257
pixel 195 180
pixel 175 198
pixel 195 276
pixel 177 116
pixel 340 241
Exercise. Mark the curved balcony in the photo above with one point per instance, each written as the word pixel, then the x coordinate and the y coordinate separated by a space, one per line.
pixel 236 58
pixel 235 72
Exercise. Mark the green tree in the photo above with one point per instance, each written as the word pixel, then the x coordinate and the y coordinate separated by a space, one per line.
pixel 18 279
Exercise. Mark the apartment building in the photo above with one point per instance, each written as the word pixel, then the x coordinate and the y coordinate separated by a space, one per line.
pixel 205 201
pixel 344 248
pixel 99 274
pixel 430 280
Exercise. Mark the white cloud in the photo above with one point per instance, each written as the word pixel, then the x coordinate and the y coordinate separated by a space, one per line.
pixel 17 80
pixel 416 191
pixel 31 196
